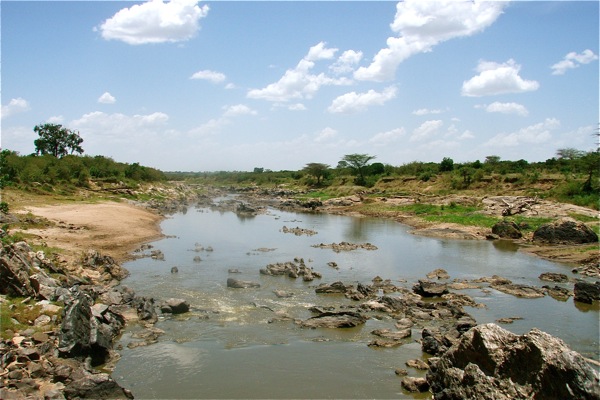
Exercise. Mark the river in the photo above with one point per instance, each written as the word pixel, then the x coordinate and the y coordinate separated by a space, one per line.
pixel 229 346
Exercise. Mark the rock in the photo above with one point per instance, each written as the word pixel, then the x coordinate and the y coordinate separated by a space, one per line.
pixel 75 331
pixel 239 284
pixel 490 362
pixel 507 230
pixel 553 277
pixel 528 292
pixel 335 287
pixel 414 385
pixel 558 293
pixel 438 273
pixel 565 231
pixel 417 364
pixel 282 294
pixel 401 372
pixel 174 270
pixel 16 265
pixel 393 335
pixel 234 271
pixel 175 306
pixel 342 319
pixel 430 289
pixel 96 386
pixel 586 292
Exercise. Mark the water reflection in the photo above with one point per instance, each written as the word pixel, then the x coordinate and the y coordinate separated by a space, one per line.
pixel 506 245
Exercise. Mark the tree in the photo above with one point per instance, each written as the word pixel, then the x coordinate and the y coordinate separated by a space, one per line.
pixel 357 162
pixel 492 160
pixel 317 170
pixel 447 164
pixel 569 153
pixel 56 140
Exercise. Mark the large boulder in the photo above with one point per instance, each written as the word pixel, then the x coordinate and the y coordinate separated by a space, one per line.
pixel 586 292
pixel 430 289
pixel 507 230
pixel 565 231
pixel 175 306
pixel 239 284
pixel 342 319
pixel 490 362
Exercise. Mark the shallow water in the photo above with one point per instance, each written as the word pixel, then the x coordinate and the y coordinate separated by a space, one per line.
pixel 228 346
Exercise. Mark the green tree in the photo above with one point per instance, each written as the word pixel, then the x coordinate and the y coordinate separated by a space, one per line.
pixel 318 170
pixel 56 140
pixel 357 163
pixel 591 164
pixel 447 164
pixel 569 153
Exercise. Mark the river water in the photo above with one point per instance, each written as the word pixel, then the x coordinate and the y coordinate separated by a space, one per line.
pixel 228 346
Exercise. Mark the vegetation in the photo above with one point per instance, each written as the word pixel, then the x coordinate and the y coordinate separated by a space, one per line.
pixel 56 140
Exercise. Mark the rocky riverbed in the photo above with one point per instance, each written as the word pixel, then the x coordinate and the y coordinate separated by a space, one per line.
pixel 76 310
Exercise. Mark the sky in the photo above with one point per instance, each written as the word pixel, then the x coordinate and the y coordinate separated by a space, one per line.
pixel 232 86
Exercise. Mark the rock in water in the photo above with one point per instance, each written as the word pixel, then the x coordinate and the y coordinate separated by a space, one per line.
pixel 239 284
pixel 490 362
pixel 586 292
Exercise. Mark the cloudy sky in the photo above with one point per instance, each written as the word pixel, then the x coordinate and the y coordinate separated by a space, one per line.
pixel 203 86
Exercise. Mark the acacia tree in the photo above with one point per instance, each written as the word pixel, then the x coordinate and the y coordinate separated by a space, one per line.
pixel 357 163
pixel 56 140
pixel 318 170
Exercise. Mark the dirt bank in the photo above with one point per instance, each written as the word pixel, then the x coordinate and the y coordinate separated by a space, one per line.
pixel 112 228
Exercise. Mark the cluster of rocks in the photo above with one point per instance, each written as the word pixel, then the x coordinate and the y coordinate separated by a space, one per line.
pixel 292 269
pixel 345 246
pixel 298 231
pixel 55 355
pixel 563 231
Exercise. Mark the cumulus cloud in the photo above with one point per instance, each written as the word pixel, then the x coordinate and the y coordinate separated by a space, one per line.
pixel 573 60
pixel 107 98
pixel 100 127
pixel 534 134
pixel 426 111
pixel 421 25
pixel 354 102
pixel 14 106
pixel 155 22
pixel 497 78
pixel 346 62
pixel 239 109
pixel 385 138
pixel 426 130
pixel 506 108
pixel 325 135
pixel 208 75
pixel 299 82
pixel 214 126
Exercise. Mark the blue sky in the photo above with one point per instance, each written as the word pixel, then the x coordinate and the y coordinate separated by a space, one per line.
pixel 204 86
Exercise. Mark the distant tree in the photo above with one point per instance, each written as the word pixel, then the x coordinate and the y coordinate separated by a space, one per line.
pixel 569 153
pixel 492 160
pixel 591 164
pixel 447 164
pixel 318 170
pixel 258 170
pixel 357 162
pixel 56 140
pixel 376 168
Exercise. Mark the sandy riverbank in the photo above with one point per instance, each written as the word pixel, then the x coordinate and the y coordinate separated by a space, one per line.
pixel 113 228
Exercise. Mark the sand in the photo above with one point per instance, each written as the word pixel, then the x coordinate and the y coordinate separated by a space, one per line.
pixel 114 229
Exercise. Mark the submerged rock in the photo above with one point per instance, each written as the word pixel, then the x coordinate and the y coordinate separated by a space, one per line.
pixel 490 362
pixel 239 284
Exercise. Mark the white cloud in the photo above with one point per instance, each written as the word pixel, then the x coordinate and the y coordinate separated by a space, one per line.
pixel 346 62
pixel 385 138
pixel 297 107
pixel 107 98
pixel 495 78
pixel 119 127
pixel 426 130
pixel 423 24
pixel 426 111
pixel 573 60
pixel 56 119
pixel 534 134
pixel 353 102
pixel 299 83
pixel 239 109
pixel 326 135
pixel 14 106
pixel 211 76
pixel 212 127
pixel 155 22
pixel 506 108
